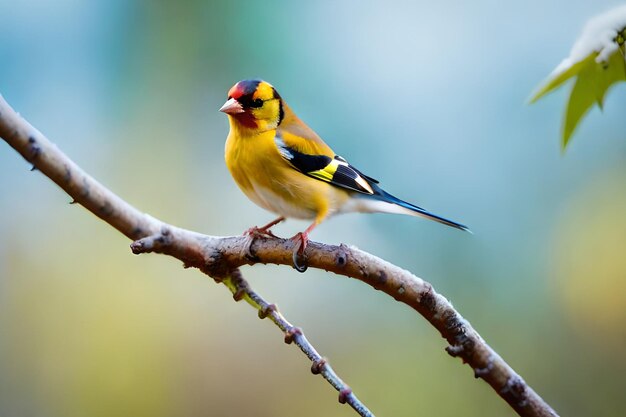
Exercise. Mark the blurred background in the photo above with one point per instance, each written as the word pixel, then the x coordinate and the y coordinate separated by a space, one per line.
pixel 431 99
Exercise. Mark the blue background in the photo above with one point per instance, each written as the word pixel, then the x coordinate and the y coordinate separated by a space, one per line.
pixel 430 99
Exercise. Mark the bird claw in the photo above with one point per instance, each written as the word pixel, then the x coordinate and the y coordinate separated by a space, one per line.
pixel 253 233
pixel 299 261
pixel 299 257
pixel 247 247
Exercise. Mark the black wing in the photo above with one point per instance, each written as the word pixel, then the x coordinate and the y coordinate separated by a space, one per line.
pixel 336 171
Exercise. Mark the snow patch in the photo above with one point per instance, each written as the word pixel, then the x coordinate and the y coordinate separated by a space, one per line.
pixel 598 36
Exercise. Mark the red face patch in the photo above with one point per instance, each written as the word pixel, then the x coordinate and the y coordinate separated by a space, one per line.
pixel 246 119
pixel 235 92
pixel 243 88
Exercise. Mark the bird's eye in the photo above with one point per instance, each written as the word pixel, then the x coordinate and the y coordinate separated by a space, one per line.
pixel 256 103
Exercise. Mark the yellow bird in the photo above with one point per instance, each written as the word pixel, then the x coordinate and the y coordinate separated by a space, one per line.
pixel 285 167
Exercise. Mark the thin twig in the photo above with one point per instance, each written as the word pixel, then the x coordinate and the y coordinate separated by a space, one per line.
pixel 218 257
pixel 241 290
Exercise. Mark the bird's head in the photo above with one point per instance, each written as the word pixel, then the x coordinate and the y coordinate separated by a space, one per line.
pixel 254 105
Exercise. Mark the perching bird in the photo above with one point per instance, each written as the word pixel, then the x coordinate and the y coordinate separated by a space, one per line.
pixel 285 167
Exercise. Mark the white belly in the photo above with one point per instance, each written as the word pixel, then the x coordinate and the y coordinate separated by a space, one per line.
pixel 275 203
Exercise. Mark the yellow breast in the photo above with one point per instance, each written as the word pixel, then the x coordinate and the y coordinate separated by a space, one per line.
pixel 269 181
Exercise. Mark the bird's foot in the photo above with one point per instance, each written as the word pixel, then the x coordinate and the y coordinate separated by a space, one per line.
pixel 254 232
pixel 264 230
pixel 250 235
pixel 300 240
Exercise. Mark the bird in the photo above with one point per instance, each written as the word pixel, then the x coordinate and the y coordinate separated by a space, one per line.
pixel 283 166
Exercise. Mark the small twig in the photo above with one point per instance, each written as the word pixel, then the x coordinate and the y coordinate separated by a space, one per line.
pixel 219 256
pixel 241 290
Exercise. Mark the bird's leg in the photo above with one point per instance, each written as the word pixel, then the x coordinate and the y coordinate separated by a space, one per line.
pixel 255 231
pixel 265 230
pixel 301 240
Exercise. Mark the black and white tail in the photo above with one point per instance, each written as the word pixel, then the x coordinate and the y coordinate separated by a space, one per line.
pixel 383 202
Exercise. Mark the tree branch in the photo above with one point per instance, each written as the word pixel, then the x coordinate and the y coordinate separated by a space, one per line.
pixel 220 258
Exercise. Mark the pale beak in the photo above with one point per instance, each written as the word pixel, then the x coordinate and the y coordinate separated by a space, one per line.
pixel 231 106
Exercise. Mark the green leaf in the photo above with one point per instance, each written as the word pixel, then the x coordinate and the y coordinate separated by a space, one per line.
pixel 555 80
pixel 593 82
pixel 582 97
pixel 610 73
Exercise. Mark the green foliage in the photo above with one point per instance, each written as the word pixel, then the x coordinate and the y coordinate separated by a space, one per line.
pixel 593 80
